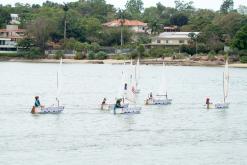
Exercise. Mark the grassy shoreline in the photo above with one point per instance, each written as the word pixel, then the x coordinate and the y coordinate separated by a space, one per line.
pixel 182 62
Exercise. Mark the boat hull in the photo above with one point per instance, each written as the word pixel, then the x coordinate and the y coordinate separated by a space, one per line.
pixel 222 105
pixel 127 110
pixel 49 110
pixel 158 101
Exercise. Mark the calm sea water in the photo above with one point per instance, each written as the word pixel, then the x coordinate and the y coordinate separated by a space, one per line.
pixel 182 133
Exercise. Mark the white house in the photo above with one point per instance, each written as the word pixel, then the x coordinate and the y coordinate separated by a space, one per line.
pixel 172 39
pixel 134 25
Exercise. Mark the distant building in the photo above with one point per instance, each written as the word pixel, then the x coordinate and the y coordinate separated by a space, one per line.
pixel 134 25
pixel 171 29
pixel 15 19
pixel 10 36
pixel 172 39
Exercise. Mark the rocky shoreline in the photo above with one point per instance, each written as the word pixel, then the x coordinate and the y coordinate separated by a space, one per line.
pixel 168 61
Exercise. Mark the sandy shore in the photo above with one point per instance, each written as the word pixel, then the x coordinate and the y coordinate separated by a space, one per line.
pixel 184 62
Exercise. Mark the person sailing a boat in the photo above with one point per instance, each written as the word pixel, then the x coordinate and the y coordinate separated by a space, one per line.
pixel 118 103
pixel 208 103
pixel 150 96
pixel 36 104
pixel 103 103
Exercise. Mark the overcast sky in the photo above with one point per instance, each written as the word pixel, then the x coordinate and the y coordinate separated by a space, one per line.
pixel 210 4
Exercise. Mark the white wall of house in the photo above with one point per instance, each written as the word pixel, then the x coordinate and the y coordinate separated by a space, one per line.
pixel 138 29
pixel 172 38
pixel 169 41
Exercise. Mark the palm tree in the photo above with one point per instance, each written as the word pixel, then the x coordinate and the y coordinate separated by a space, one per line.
pixel 121 16
pixel 193 36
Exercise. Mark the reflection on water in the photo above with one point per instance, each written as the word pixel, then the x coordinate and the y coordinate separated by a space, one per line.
pixel 181 133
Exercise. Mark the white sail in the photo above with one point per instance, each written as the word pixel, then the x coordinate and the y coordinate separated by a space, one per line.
pixel 54 109
pixel 163 88
pixel 137 74
pixel 226 81
pixel 123 86
pixel 225 104
pixel 59 80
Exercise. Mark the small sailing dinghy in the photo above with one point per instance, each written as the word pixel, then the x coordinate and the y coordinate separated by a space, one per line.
pixel 55 108
pixel 162 97
pixel 225 104
pixel 126 94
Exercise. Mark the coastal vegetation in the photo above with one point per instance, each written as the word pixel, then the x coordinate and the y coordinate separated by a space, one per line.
pixel 78 26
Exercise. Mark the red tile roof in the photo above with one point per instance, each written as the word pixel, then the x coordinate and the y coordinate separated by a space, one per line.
pixel 116 23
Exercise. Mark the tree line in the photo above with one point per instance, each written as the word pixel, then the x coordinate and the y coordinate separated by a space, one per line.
pixel 78 25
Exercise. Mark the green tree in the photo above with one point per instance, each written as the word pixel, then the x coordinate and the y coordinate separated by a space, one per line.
pixel 134 8
pixel 226 6
pixel 230 23
pixel 242 9
pixel 180 5
pixel 5 16
pixel 240 39
pixel 40 29
pixel 141 50
pixel 179 19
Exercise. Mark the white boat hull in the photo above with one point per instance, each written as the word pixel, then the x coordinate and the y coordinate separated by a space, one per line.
pixel 49 110
pixel 222 105
pixel 158 101
pixel 127 110
pixel 112 106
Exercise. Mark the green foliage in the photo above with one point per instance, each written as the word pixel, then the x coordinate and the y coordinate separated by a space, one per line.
pixel 179 19
pixel 5 16
pixel 33 53
pixel 119 57
pixel 134 8
pixel 243 56
pixel 85 32
pixel 79 56
pixel 226 6
pixel 190 49
pixel 240 39
pixel 141 50
pixel 180 5
pixel 101 55
pixel 134 54
pixel 59 54
pixel 160 52
pixel 112 36
pixel 25 43
pixel 40 29
pixel 91 55
pixel 9 55
pixel 144 39
pixel 211 55
pixel 243 59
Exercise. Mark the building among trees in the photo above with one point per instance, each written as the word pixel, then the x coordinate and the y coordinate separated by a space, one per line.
pixel 172 39
pixel 10 35
pixel 133 25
